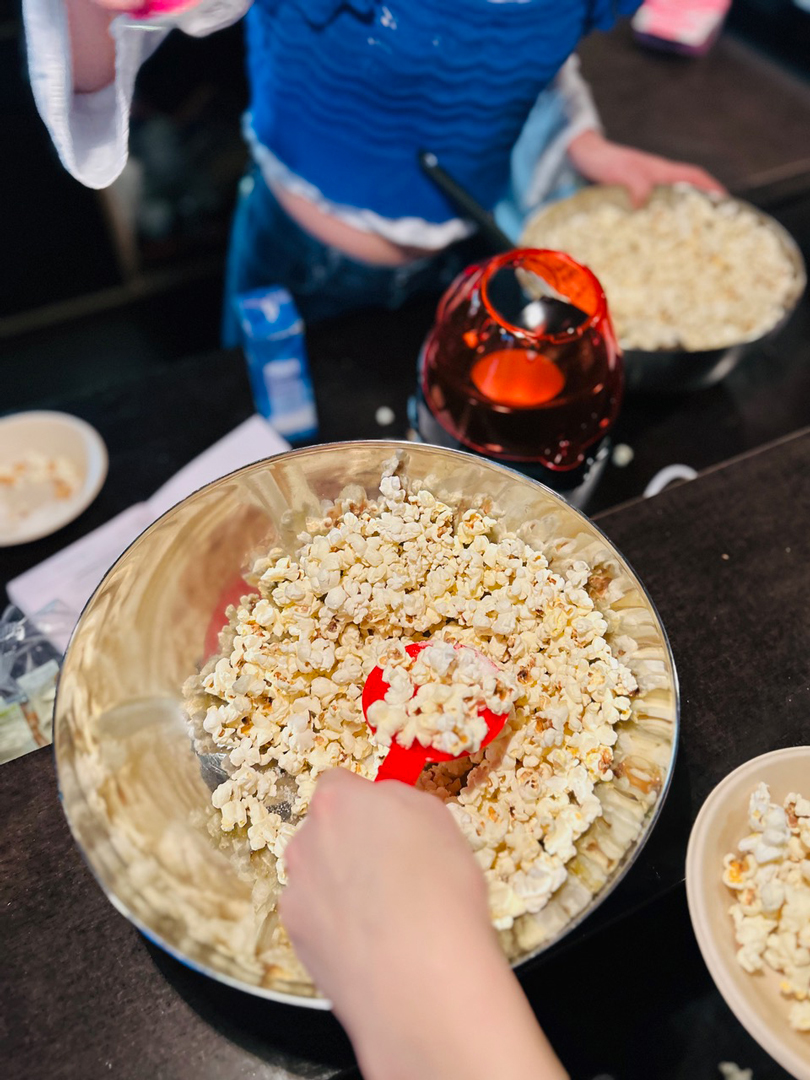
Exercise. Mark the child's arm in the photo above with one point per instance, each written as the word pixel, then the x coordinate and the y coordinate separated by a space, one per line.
pixel 565 128
pixel 82 62
pixel 606 162
pixel 602 161
pixel 387 908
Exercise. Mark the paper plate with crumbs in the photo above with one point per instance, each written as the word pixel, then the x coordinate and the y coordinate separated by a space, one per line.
pixel 748 887
pixel 52 466
pixel 219 669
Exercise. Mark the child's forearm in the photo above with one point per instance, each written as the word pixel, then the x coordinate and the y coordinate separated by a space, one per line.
pixel 388 910
pixel 91 45
pixel 468 1017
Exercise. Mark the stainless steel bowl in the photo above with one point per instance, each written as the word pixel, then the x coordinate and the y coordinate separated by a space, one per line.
pixel 130 781
pixel 673 370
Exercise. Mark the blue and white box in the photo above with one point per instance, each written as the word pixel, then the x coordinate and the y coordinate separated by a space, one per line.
pixel 275 350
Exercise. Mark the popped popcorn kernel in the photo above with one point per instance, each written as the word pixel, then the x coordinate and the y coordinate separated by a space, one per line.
pixel 771 914
pixel 435 698
pixel 32 481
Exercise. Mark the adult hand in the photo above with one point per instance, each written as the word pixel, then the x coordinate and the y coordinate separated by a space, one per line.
pixel 387 909
pixel 606 162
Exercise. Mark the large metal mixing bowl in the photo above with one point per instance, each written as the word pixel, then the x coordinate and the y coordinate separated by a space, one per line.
pixel 130 781
pixel 673 370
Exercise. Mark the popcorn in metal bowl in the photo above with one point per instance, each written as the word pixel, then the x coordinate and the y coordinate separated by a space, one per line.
pixel 346 559
pixel 691 279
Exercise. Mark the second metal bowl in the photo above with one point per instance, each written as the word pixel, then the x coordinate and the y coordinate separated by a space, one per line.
pixel 674 370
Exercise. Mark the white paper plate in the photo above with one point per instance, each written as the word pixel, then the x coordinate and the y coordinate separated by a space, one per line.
pixel 54 434
pixel 723 821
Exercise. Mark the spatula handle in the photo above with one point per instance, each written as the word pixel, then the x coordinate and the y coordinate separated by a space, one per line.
pixel 464 203
pixel 402 764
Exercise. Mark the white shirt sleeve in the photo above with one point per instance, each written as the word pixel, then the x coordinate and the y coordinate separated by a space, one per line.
pixel 91 131
pixel 571 96
pixel 540 168
pixel 577 99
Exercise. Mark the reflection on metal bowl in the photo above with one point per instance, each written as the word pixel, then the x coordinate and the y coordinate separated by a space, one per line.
pixel 131 783
pixel 674 370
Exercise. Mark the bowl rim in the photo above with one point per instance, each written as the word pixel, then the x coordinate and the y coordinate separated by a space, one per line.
pixel 98 465
pixel 696 896
pixel 391 446
pixel 523 254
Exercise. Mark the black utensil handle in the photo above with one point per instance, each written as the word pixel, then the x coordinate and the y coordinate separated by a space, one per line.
pixel 464 203
pixel 776 186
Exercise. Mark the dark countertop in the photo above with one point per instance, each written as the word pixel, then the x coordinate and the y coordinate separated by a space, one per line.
pixel 727 560
pixel 734 111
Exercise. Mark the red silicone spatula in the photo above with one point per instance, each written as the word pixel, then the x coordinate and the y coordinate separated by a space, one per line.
pixel 406 763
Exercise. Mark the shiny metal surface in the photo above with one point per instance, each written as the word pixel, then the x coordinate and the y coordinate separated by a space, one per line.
pixel 674 370
pixel 131 783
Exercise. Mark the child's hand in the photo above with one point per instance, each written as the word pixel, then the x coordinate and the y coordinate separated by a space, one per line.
pixel 387 909
pixel 378 874
pixel 606 162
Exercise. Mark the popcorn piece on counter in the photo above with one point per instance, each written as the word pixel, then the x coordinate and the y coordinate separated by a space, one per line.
pixel 729 1070
pixel 771 879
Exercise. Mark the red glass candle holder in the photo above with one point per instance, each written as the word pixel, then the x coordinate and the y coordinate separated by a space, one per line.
pixel 522 363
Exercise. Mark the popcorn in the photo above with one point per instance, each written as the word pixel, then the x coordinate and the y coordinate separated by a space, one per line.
pixel 729 1070
pixel 689 273
pixel 501 629
pixel 435 698
pixel 771 880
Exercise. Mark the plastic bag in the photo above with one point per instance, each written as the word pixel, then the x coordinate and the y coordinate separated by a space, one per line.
pixel 29 669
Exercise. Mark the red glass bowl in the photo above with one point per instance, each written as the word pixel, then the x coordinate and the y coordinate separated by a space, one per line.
pixel 520 376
